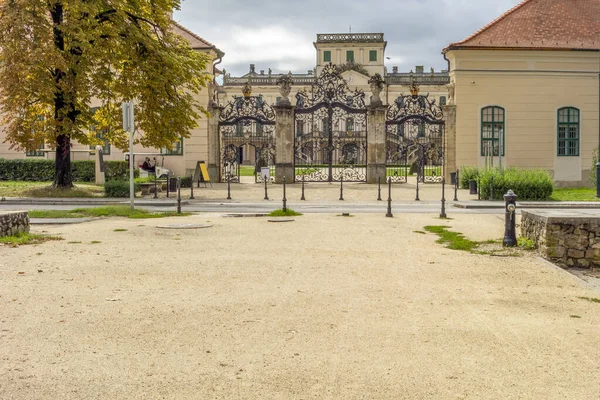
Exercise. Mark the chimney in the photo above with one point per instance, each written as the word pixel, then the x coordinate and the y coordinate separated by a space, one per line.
pixel 252 68
pixel 394 70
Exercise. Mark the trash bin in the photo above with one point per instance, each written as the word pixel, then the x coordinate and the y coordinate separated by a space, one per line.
pixel 472 186
pixel 172 184
pixel 453 178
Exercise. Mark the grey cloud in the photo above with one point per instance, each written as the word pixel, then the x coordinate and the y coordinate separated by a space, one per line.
pixel 416 30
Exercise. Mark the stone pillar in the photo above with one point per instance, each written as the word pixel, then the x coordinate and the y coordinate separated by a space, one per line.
pixel 214 147
pixel 450 140
pixel 284 143
pixel 376 138
pixel 99 157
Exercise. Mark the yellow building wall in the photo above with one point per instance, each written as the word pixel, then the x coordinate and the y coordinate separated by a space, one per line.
pixel 531 86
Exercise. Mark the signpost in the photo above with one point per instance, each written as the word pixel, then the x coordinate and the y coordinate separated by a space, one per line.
pixel 129 126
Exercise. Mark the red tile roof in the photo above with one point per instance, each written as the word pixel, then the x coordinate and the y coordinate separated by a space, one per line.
pixel 195 41
pixel 540 24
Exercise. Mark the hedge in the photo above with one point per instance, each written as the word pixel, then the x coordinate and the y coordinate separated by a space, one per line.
pixel 528 184
pixel 43 170
pixel 465 174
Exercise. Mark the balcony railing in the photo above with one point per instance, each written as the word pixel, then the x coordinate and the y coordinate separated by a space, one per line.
pixel 349 37
pixel 421 79
pixel 266 80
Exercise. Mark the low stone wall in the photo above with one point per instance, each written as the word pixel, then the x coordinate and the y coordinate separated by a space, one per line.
pixel 569 238
pixel 13 222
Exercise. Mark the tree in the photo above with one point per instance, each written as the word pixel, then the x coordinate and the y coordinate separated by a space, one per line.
pixel 56 56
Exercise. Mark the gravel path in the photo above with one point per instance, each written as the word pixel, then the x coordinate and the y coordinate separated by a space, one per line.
pixel 325 307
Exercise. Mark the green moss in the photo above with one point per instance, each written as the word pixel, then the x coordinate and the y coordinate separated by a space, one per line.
pixel 287 213
pixel 452 240
pixel 27 238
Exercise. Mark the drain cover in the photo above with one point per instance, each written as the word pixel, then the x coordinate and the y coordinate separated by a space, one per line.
pixel 185 226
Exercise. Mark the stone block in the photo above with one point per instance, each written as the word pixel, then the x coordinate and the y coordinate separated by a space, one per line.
pixel 556 252
pixel 576 253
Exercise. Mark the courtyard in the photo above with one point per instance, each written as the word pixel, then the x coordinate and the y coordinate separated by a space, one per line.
pixel 324 307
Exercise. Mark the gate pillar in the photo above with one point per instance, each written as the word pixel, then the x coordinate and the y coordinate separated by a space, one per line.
pixel 214 169
pixel 376 150
pixel 284 143
pixel 450 138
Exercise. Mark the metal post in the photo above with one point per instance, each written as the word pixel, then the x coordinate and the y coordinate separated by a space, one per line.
pixel 379 189
pixel 178 195
pixel 266 194
pixel 456 187
pixel 491 188
pixel 155 187
pixel 192 187
pixel 417 197
pixel 443 212
pixel 510 236
pixel 478 188
pixel 284 199
pixel 341 188
pixel 228 185
pixel 302 198
pixel 389 201
pixel 168 185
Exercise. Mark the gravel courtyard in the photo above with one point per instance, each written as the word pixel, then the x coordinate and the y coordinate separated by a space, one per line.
pixel 324 307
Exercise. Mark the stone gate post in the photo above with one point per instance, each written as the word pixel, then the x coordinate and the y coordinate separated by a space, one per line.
pixel 284 143
pixel 214 168
pixel 450 140
pixel 376 136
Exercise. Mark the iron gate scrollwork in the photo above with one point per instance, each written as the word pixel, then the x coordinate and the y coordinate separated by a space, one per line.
pixel 247 125
pixel 330 131
pixel 415 130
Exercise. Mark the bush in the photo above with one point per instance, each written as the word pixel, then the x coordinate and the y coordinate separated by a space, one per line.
pixel 528 184
pixel 186 181
pixel 593 169
pixel 465 174
pixel 42 170
pixel 119 188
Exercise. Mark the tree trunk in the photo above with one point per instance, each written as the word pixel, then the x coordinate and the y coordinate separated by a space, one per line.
pixel 63 176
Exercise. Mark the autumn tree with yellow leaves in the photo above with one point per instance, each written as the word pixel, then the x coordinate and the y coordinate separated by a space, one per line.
pixel 58 55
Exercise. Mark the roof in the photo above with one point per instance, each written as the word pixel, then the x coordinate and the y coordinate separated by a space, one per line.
pixel 540 24
pixel 195 41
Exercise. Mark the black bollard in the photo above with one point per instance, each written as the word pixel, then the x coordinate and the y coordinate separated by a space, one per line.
pixel 491 188
pixel 417 197
pixel 342 187
pixel 302 198
pixel 228 186
pixel 284 199
pixel 168 185
pixel 389 207
pixel 510 235
pixel 266 194
pixel 178 195
pixel 443 212
pixel 192 187
pixel 155 187
pixel 478 188
pixel 456 187
pixel 379 189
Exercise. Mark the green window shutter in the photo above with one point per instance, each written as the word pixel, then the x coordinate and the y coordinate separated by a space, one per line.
pixel 372 55
pixel 568 132
pixel 327 56
pixel 350 56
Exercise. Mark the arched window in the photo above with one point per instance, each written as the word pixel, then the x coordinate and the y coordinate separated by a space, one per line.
pixel 568 131
pixel 492 131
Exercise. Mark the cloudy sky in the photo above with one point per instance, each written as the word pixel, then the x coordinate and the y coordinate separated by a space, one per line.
pixel 279 34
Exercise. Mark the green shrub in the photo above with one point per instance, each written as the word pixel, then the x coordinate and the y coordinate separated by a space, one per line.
pixel 42 170
pixel 119 188
pixel 593 169
pixel 528 184
pixel 186 181
pixel 465 174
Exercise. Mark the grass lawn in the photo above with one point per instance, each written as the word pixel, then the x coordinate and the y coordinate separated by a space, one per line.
pixel 575 194
pixel 43 189
pixel 109 211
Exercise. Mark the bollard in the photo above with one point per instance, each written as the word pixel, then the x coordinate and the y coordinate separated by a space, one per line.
pixel 491 188
pixel 168 186
pixel 443 212
pixel 478 188
pixel 178 195
pixel 417 197
pixel 284 199
pixel 379 189
pixel 456 187
pixel 266 194
pixel 192 187
pixel 510 235
pixel 155 187
pixel 389 207
pixel 342 187
pixel 302 198
pixel 228 186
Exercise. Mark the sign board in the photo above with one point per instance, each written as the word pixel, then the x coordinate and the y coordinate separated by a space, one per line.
pixel 201 173
pixel 265 172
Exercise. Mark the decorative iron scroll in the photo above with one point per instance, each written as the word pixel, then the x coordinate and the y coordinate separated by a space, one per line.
pixel 415 107
pixel 250 107
pixel 330 88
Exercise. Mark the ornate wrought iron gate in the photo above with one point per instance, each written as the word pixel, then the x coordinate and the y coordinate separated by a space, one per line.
pixel 330 131
pixel 247 124
pixel 415 138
